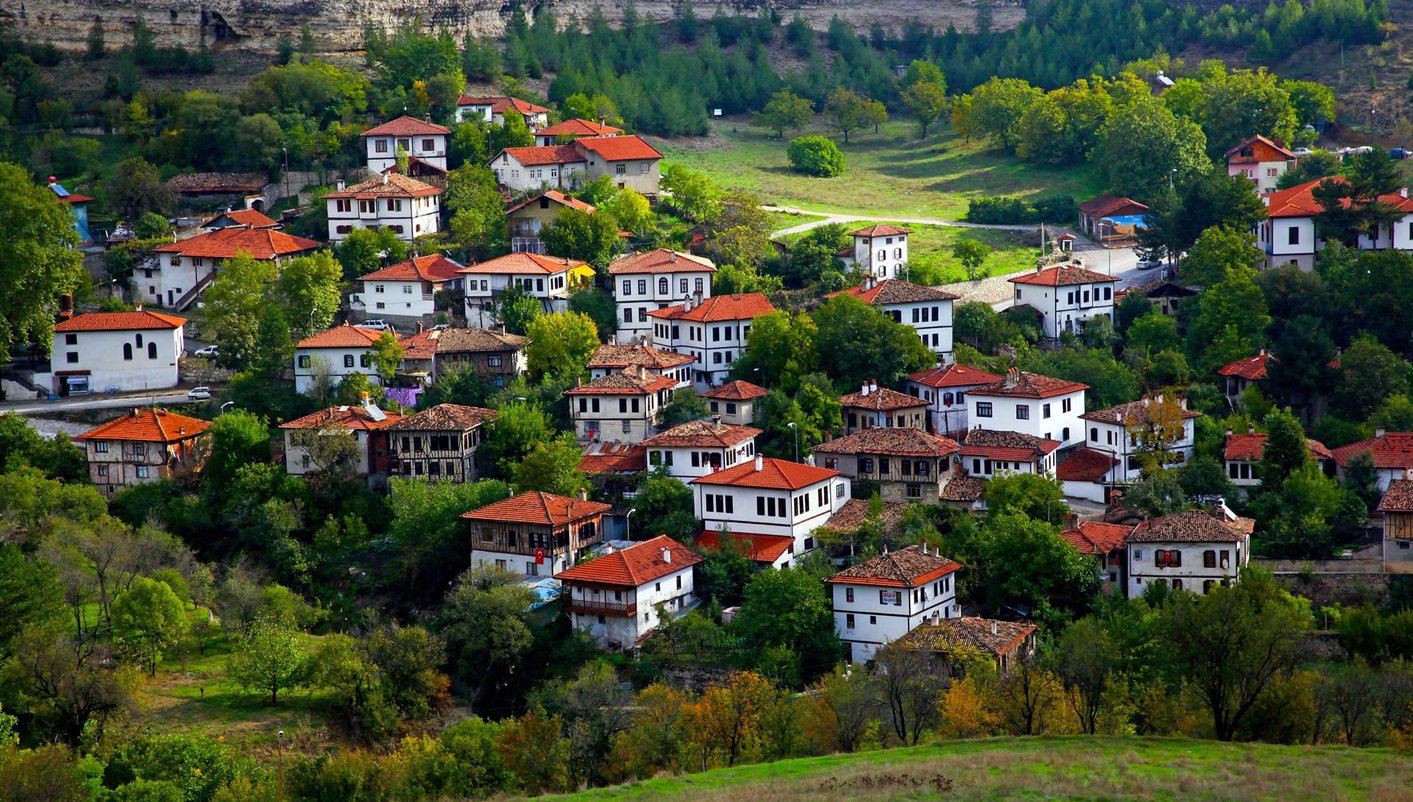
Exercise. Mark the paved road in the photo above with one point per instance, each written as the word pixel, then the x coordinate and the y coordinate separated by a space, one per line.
pixel 95 402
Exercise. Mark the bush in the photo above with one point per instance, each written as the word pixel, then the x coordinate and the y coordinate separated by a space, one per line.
pixel 817 156
pixel 1016 211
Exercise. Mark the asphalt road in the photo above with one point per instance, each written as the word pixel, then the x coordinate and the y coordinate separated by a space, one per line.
pixel 96 402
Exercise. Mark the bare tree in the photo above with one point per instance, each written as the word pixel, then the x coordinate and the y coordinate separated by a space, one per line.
pixel 909 688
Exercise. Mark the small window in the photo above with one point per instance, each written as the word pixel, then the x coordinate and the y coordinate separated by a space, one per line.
pixel 983 409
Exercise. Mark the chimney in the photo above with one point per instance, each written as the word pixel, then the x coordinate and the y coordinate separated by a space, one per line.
pixel 863 390
pixel 1071 520
pixel 993 626
pixel 613 339
pixel 385 179
pixel 760 463
pixel 716 421
pixel 135 412
pixel 667 556
pixel 138 307
pixel 1250 428
pixel 873 385
pixel 340 185
pixel 1229 431
pixel 1012 377
pixel 672 257
pixel 583 494
pixel 922 546
pixel 1379 432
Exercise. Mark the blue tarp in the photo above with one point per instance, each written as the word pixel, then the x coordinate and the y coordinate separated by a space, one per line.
pixel 1129 221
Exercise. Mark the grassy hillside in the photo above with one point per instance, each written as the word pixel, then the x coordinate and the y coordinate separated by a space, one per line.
pixel 1051 768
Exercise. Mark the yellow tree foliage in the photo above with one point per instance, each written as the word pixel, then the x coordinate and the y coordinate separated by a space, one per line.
pixel 536 752
pixel 657 740
pixel 724 723
pixel 1030 701
pixel 965 713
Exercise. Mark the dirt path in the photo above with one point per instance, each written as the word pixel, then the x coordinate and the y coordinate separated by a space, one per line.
pixel 830 217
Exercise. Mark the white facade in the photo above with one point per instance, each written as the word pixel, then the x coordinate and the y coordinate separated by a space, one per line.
pixel 640 293
pixel 484 109
pixel 520 177
pixel 523 564
pixel 129 360
pixel 627 418
pixel 768 511
pixel 734 412
pixel 404 299
pixel 714 345
pixel 946 406
pixel 482 289
pixel 1194 567
pixel 381 150
pixel 1263 175
pixel 628 614
pixel 880 256
pixel 297 462
pixel 1054 418
pixel 408 217
pixel 932 320
pixel 312 365
pixel 1288 241
pixel 983 466
pixel 868 616
pixel 1065 307
pixel 687 463
pixel 1121 444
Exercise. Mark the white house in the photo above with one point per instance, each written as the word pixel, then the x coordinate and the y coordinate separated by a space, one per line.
pixel 534 168
pixel 1261 161
pixel 1288 235
pixel 544 278
pixel 621 596
pixel 880 251
pixel 628 160
pixel 493 110
pixel 1123 431
pixel 1392 453
pixel 884 598
pixel 1089 474
pixel 181 270
pixel 365 424
pixel 1242 453
pixel 405 205
pixel 906 464
pixel 560 133
pixel 239 218
pixel 713 332
pixel 986 453
pixel 323 360
pixel 95 351
pixel 535 533
pixel 621 407
pixel 406 292
pixel 426 142
pixel 1030 403
pixel 696 448
pixel 656 279
pixel 1193 550
pixel 612 358
pixel 945 389
pixel 775 504
pixel 1065 297
pixel 735 401
pixel 927 310
pixel 873 406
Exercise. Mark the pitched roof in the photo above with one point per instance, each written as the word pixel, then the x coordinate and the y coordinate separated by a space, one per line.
pixel 406 126
pixel 660 260
pixel 760 548
pixel 1063 276
pixel 554 196
pixel 387 185
pixel 522 263
pixel 500 104
pixel 891 440
pixel 1251 447
pixel 774 474
pixel 1249 144
pixel 736 391
pixel 444 417
pixel 462 340
pixel 140 320
pixel 954 375
pixel 539 155
pixel 895 291
pixel 904 568
pixel 250 218
pixel 1299 200
pixel 939 635
pixel 746 306
pixel 419 346
pixel 964 488
pixel 1251 368
pixel 880 230
pixel 346 417
pixel 634 566
pixel 621 356
pixel 1021 384
pixel 1192 526
pixel 1007 446
pixel 1085 465
pixel 345 336
pixel 217 183
pixel 632 380
pixel 614 458
pixel 618 148
pixel 1133 412
pixel 434 267
pixel 537 507
pixel 855 513
pixel 702 434
pixel 1398 497
pixel 227 243
pixel 149 425
pixel 1105 205
pixel 881 399
pixel 579 127
pixel 1389 450
pixel 1096 537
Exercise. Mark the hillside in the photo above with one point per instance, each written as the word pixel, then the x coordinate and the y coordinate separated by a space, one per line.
pixel 1050 768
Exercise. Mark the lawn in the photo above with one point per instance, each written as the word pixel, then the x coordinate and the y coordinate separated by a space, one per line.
pixel 1073 768
pixel 891 172
pixel 930 259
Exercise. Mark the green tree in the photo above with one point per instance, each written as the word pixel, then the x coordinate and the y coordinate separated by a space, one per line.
pixel 486 622
pixel 30 595
pixel 786 111
pixel 694 195
pixel 997 107
pixel 780 350
pixel 41 260
pixel 1286 450
pixel 1217 252
pixel 738 232
pixel 136 187
pixel 1029 494
pixel 1027 562
pixel 927 100
pixel 865 344
pixel 963 118
pixel 1088 659
pixel 269 658
pixel 1369 373
pixel 365 250
pixel 1152 333
pixel 579 235
pixel 517 309
pixel 1231 322
pixel 148 619
pixel 817 156
pixel 664 507
pixel 513 433
pixel 552 467
pixel 686 405
pixel 477 211
pixel 849 110
pixel 632 211
pixel 427 532
pixel 234 304
pixel 972 254
pixel 307 289
pixel 1240 103
pixel 560 345
pixel 1357 205
pixel 789 608
pixel 1143 147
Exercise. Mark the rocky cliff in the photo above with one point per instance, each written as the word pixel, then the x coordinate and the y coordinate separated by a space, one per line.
pixel 338 24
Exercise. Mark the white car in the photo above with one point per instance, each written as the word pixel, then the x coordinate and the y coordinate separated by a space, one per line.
pixel 1150 264
pixel 374 324
pixel 209 351
pixel 199 393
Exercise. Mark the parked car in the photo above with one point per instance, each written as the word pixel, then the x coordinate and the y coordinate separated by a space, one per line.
pixel 441 327
pixel 199 393
pixel 1399 153
pixel 1298 152
pixel 376 323
pixel 209 352
pixel 1149 264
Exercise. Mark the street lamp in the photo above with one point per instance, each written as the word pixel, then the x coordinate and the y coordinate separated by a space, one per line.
pixel 280 766
pixel 761 371
pixel 628 524
pixel 796 430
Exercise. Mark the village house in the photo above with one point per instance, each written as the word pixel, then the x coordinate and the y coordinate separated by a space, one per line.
pixel 239 218
pixel 880 251
pixel 775 504
pixel 1289 236
pixel 735 401
pixel 1261 161
pixel 1089 474
pixel 988 452
pixel 544 278
pixel 696 448
pixel 856 514
pixel 1242 453
pixel 1030 403
pixel 628 160
pixel 1110 220
pixel 209 189
pixel 535 533
pixel 965 492
pixel 656 279
pixel 1066 297
pixel 713 332
pixel 1105 543
pixel 927 310
pixel 1397 508
pixel 438 444
pixel 621 407
pixel 907 463
pixel 323 360
pixel 78 210
pixel 366 425
pixel 884 598
pixel 1242 373
pixel 406 293
pixel 602 461
pixel 1153 424
pixel 144 445
pixel 1166 295
pixel 181 270
pixel 621 596
pixel 945 389
pixel 562 133
pixel 493 110
pixel 873 406
pixel 403 205
pixel 530 169
pixel 612 358
pixel 418 140
pixel 528 219
pixel 1193 550
pixel 498 356
pixel 1392 453
pixel 123 351
pixel 1006 643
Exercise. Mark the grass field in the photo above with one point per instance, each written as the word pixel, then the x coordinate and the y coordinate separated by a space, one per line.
pixel 891 172
pixel 1075 768
pixel 930 259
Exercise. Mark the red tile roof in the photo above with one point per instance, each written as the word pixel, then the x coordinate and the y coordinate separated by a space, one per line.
pixel 880 399
pixel 617 148
pixel 660 260
pixel 1251 368
pixel 1132 412
pixel 419 346
pixel 634 566
pixel 537 156
pixel 141 320
pixel 719 307
pixel 345 336
pixel 944 633
pixel 855 513
pixel 1251 447
pixel 536 507
pixel 880 230
pixel 895 291
pixel 1260 148
pixel 632 380
pixel 148 425
pixel 612 356
pixel 1192 526
pixel 444 417
pixel 227 243
pixel 1299 200
pixel 555 196
pixel 614 458
pixel 522 263
pixel 350 417
pixel 1105 205
pixel 954 375
pixel 904 568
pixel 760 548
pixel 891 440
pixel 774 474
pixel 1085 465
pixel 1390 450
pixel 433 267
pixel 453 341
pixel 249 218
pixel 406 126
pixel 388 185
pixel 702 434
pixel 1062 277
pixel 579 127
pixel 1398 497
pixel 1029 385
pixel 736 391
pixel 1094 537
pixel 500 104
pixel 1006 446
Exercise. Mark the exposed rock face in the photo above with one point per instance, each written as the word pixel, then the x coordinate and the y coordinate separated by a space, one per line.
pixel 339 24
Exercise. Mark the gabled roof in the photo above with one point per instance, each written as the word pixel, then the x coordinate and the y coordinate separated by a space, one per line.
pixel 1398 497
pixel 632 380
pixel 1251 447
pixel 345 336
pixel 880 230
pixel 347 417
pixel 1251 368
pixel 904 568
pixel 434 267
pixel 419 346
pixel 758 548
pixel 1064 276
pixel 891 441
pixel 880 399
pixel 407 126
pixel 250 218
pixel 1299 200
pixel 445 417
pixel 217 183
pixel 522 263
pixel 1193 526
pixel 1257 146
pixel 1021 384
pixel 736 391
pixel 463 340
pixel 540 155
pixel 746 306
pixel 855 513
pixel 1006 446
pixel 140 320
pixel 634 566
pixel 536 507
pixel 964 488
pixel 954 375
pixel 660 260
pixel 1095 537
pixel 613 356
pixel 990 636
pixel 1390 450
pixel 227 243
pixel 554 196
pixel 1085 465
pixel 618 148
pixel 895 291
pixel 579 127
pixel 773 474
pixel 1105 205
pixel 1133 412
pixel 148 425
pixel 500 104
pixel 614 458
pixel 702 434
pixel 387 185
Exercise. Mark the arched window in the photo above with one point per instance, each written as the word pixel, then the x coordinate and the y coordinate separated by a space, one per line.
pixel 662 286
pixel 152 350
pixel 127 350
pixel 138 339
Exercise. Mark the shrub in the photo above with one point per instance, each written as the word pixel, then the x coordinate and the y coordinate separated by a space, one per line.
pixel 817 156
pixel 1016 211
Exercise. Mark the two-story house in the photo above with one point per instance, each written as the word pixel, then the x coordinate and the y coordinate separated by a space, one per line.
pixel 528 219
pixel 987 452
pixel 438 444
pixel 696 448
pixel 945 389
pixel 1392 453
pixel 735 401
pixel 1104 543
pixel 181 270
pixel 628 160
pixel 544 278
pixel 873 406
pixel 1397 508
pixel 1289 235
pixel 1037 405
pixel 366 425
pixel 1152 425
pixel 908 463
pixel 713 332
pixel 323 360
pixel 535 533
pixel 144 445
pixel 1193 550
pixel 1261 161
pixel 621 596
pixel 1065 297
pixel 621 407
pixel 493 110
pixel 417 139
pixel 656 279
pixel 96 351
pixel 406 292
pixel 880 251
pixel 1089 474
pixel 927 310
pixel 498 356
pixel 774 503
pixel 1239 374
pixel 534 168
pixel 884 598
pixel 403 205
pixel 612 358
pixel 1242 453
pixel 561 133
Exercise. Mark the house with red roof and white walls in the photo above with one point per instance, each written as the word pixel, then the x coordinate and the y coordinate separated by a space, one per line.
pixel 366 425
pixel 1154 423
pixel 239 218
pixel 144 445
pixel 535 533
pixel 530 169
pixel 986 453
pixel 1392 453
pixel 735 401
pixel 1032 404
pixel 926 309
pixel 403 205
pixel 1242 453
pixel 1104 542
pixel 323 360
pixel 1289 235
pixel 418 139
pixel 884 598
pixel 406 293
pixel 770 506
pixel 880 251
pixel 621 407
pixel 95 351
pixel 656 279
pixel 1065 296
pixel 622 595
pixel 1194 550
pixel 547 279
pixel 907 464
pixel 696 448
pixel 562 133
pixel 611 357
pixel 713 332
pixel 628 161
pixel 1242 373
pixel 1261 161
pixel 183 269
pixel 493 109
pixel 945 389
pixel 873 406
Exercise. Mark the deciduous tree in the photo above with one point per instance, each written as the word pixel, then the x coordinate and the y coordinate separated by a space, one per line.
pixel 41 258
pixel 269 658
pixel 786 111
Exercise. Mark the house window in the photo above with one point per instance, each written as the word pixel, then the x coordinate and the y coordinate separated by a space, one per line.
pixel 1065 405
pixel 71 357
pixel 662 286
pixel 380 145
pixel 1209 558
pixel 849 621
pixel 983 409
pixel 348 360
pixel 914 491
pixel 849 595
pixel 1044 410
pixel 621 169
pixel 100 448
pixel 1022 412
pixel 142 472
pixel 127 350
pixel 102 470
pixel 1293 236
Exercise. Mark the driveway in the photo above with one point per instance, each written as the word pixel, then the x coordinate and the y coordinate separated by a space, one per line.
pixel 96 402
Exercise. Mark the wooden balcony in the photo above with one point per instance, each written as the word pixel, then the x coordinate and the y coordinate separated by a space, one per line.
pixel 585 607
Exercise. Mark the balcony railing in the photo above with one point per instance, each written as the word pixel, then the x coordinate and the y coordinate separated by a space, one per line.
pixel 584 607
